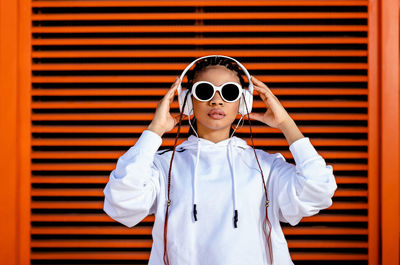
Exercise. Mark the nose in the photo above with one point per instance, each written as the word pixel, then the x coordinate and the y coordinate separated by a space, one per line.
pixel 216 100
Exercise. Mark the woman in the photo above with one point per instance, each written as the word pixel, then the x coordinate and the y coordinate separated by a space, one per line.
pixel 212 203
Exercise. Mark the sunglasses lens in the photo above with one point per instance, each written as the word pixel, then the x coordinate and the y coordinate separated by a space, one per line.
pixel 230 92
pixel 204 91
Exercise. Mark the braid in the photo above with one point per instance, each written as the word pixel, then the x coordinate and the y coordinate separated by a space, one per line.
pixel 203 64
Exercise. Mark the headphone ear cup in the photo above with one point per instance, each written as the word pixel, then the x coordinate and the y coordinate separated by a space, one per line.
pixel 189 104
pixel 241 105
pixel 249 101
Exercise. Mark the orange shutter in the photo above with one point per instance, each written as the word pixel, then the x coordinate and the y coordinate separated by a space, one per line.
pixel 99 68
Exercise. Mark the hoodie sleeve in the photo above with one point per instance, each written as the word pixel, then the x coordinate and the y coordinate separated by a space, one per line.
pixel 305 188
pixel 133 186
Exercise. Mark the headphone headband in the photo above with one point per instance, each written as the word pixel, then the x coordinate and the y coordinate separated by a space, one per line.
pixel 216 55
pixel 247 96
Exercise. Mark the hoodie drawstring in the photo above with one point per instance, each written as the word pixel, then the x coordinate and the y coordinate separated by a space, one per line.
pixel 195 180
pixel 231 164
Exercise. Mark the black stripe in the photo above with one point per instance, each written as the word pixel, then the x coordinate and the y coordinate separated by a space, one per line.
pixel 168 150
pixel 163 151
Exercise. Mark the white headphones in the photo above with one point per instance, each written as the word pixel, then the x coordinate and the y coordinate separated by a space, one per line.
pixel 247 95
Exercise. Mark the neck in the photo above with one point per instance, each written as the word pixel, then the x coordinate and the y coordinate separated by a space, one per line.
pixel 214 136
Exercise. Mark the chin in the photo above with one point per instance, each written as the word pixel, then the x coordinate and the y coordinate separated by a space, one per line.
pixel 216 125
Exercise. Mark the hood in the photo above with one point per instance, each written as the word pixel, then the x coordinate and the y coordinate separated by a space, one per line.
pixel 192 142
pixel 199 144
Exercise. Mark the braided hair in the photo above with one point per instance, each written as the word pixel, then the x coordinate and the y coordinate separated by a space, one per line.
pixel 200 66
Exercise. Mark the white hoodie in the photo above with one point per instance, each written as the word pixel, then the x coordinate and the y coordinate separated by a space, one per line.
pixel 218 178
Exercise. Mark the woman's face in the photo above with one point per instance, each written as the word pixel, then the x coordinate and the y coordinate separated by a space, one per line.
pixel 207 123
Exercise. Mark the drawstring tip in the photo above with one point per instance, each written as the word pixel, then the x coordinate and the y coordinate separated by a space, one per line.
pixel 236 218
pixel 195 212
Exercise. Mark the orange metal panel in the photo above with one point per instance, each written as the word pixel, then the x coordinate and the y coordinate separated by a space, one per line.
pixel 116 155
pixel 149 117
pixel 98 243
pixel 196 16
pixel 170 141
pixel 15 108
pixel 200 41
pixel 109 166
pixel 150 218
pixel 390 144
pixel 97 192
pixel 24 80
pixel 99 205
pixel 343 135
pixel 9 129
pixel 179 66
pixel 163 79
pixel 324 244
pixel 161 92
pixel 194 53
pixel 139 129
pixel 334 218
pixel 374 117
pixel 329 256
pixel 71 230
pixel 147 104
pixel 197 3
pixel 92 255
pixel 348 206
pixel 67 205
pixel 204 28
pixel 315 230
pixel 103 180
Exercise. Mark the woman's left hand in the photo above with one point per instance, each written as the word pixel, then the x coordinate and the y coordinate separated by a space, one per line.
pixel 276 116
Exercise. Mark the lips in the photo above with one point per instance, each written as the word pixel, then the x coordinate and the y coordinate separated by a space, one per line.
pixel 216 113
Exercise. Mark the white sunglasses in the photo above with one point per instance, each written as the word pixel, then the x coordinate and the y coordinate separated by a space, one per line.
pixel 205 91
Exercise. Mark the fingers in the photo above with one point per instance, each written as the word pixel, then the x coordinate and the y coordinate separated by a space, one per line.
pixel 173 89
pixel 257 83
pixel 171 92
pixel 176 119
pixel 175 83
pixel 261 93
pixel 264 95
pixel 262 88
pixel 174 86
pixel 256 116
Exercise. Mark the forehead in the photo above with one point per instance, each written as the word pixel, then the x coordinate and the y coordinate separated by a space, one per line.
pixel 217 74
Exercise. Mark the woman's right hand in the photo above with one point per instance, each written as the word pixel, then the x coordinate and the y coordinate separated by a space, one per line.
pixel 163 120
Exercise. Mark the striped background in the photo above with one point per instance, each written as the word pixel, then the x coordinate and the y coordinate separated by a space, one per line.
pixel 99 68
